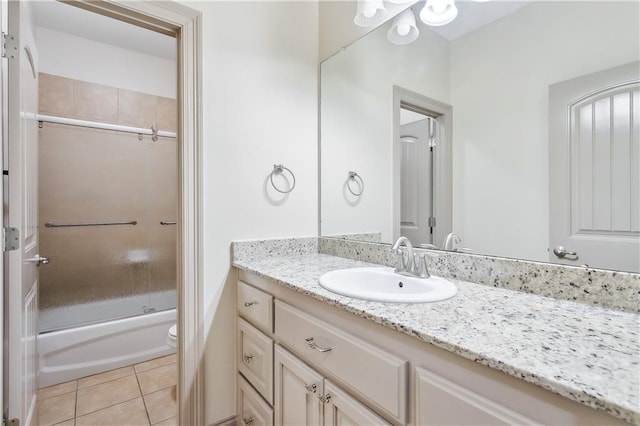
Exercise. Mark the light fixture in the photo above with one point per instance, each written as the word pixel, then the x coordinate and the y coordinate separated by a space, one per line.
pixel 438 12
pixel 404 29
pixel 406 1
pixel 369 12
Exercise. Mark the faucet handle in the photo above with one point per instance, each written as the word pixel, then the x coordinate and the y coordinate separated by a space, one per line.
pixel 400 264
pixel 422 269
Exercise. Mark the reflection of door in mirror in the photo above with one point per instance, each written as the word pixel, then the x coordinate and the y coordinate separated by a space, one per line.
pixel 594 136
pixel 417 138
pixel 421 168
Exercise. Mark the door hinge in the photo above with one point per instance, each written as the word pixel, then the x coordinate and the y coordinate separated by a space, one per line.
pixel 10 239
pixel 432 221
pixel 9 46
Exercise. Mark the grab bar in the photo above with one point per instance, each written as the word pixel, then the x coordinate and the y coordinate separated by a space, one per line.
pixel 67 225
pixel 164 222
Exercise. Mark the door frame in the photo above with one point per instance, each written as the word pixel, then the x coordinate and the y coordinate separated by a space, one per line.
pixel 442 162
pixel 185 24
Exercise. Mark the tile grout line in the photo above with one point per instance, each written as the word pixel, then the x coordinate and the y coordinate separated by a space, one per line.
pixel 75 408
pixel 144 403
pixel 109 406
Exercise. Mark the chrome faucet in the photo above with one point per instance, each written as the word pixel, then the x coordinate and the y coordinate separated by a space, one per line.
pixel 450 241
pixel 416 263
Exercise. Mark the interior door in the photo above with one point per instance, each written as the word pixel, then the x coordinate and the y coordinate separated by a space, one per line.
pixel 594 169
pixel 22 166
pixel 416 181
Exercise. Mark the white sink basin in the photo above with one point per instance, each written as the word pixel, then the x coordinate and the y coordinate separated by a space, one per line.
pixel 384 285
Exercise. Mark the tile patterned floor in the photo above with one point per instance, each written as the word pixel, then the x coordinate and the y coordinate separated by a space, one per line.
pixel 140 394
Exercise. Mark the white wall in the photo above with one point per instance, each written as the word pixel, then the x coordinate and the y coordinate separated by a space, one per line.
pixel 87 60
pixel 357 124
pixel 260 82
pixel 500 77
pixel 260 66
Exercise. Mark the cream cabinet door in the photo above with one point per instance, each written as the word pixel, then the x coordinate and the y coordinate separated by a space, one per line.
pixel 440 401
pixel 251 408
pixel 297 391
pixel 341 409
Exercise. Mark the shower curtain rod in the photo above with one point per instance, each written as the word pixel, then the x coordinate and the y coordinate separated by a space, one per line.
pixel 103 126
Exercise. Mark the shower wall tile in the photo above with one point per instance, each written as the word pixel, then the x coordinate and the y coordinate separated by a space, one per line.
pixel 55 95
pixel 95 102
pixel 65 97
pixel 167 110
pixel 137 109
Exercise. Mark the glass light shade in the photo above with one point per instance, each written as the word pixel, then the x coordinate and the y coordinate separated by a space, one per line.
pixel 369 13
pixel 438 12
pixel 406 1
pixel 404 29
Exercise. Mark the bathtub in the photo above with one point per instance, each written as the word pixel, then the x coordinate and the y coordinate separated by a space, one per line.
pixel 82 351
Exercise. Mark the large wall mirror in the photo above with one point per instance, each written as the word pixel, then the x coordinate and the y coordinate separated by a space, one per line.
pixel 520 135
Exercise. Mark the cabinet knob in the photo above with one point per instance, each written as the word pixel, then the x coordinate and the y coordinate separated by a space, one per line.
pixel 247 358
pixel 326 398
pixel 248 420
pixel 311 388
pixel 248 304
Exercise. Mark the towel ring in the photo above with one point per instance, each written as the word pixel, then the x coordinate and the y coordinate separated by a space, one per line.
pixel 353 176
pixel 277 169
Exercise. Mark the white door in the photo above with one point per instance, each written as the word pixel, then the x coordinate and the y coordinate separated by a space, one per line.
pixel 416 180
pixel 594 170
pixel 22 166
pixel 298 387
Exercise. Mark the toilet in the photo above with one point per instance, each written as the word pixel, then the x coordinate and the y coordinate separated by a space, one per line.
pixel 172 336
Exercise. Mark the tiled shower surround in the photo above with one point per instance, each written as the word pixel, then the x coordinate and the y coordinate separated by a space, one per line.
pixel 609 289
pixel 65 97
pixel 88 175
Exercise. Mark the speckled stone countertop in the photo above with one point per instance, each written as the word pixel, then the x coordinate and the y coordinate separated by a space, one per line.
pixel 586 353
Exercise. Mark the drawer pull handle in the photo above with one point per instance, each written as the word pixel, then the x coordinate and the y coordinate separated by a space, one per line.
pixel 248 304
pixel 326 398
pixel 247 358
pixel 248 420
pixel 311 388
pixel 314 345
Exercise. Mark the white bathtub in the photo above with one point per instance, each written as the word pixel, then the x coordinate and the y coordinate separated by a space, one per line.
pixel 77 352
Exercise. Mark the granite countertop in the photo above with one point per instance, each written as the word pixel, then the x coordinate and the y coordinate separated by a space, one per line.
pixel 586 353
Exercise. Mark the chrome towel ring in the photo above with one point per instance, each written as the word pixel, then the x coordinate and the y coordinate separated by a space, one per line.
pixel 277 169
pixel 353 176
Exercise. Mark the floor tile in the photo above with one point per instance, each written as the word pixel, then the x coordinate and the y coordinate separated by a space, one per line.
pixel 161 405
pixel 154 363
pixel 56 390
pixel 169 422
pixel 106 394
pixel 105 377
pixel 57 409
pixel 158 378
pixel 130 413
pixel 71 422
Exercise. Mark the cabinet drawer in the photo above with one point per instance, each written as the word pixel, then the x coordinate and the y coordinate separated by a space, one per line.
pixel 251 409
pixel 377 375
pixel 255 306
pixel 440 401
pixel 255 358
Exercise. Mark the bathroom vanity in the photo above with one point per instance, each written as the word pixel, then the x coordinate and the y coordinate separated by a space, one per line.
pixel 487 356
